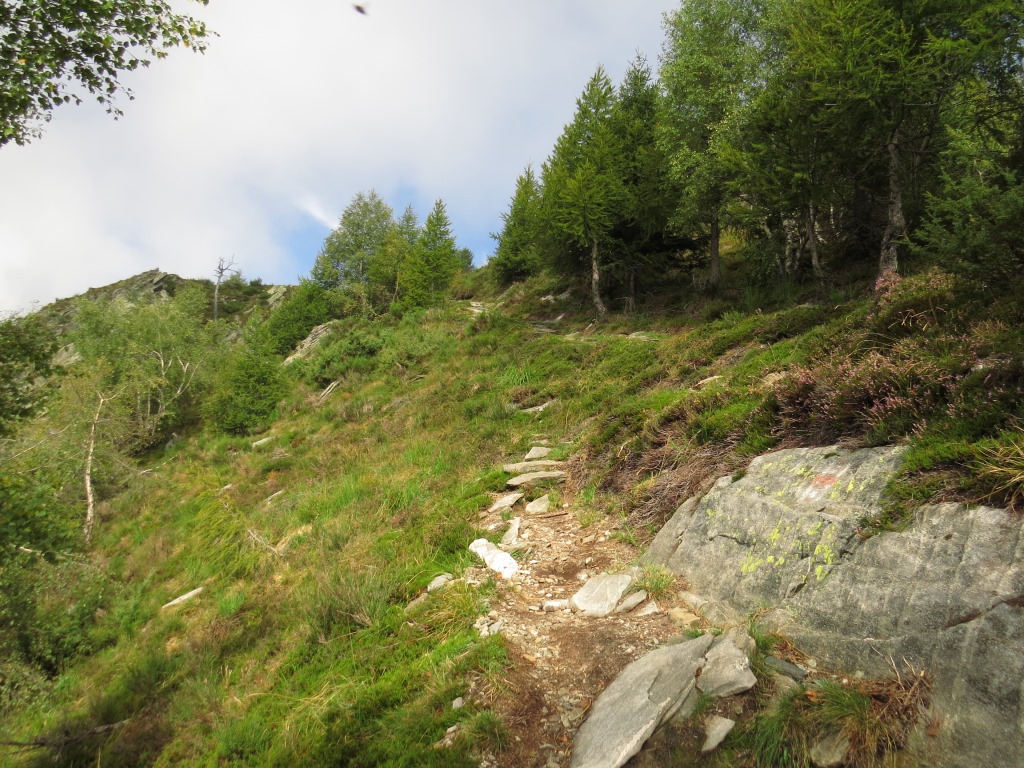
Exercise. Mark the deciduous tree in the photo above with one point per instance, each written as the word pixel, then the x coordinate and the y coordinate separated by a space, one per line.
pixel 58 51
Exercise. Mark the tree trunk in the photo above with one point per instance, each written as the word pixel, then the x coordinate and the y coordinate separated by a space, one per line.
pixel 90 499
pixel 631 295
pixel 216 299
pixel 595 279
pixel 714 259
pixel 812 240
pixel 896 224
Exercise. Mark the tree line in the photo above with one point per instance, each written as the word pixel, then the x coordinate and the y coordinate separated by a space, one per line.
pixel 817 132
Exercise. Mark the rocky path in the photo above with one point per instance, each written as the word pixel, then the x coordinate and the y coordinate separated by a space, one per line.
pixel 572 615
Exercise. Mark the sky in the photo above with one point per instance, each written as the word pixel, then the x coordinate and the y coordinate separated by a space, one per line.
pixel 252 151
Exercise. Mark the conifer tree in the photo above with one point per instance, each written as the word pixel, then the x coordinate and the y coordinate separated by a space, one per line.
pixel 582 191
pixel 707 74
pixel 516 256
pixel 431 263
pixel 881 76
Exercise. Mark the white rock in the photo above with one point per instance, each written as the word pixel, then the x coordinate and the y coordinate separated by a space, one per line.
pixel 439 582
pixel 537 452
pixel 649 609
pixel 830 751
pixel 599 596
pixel 631 601
pixel 532 466
pixel 178 600
pixel 539 408
pixel 539 506
pixel 533 478
pixel 501 562
pixel 551 606
pixel 505 502
pixel 264 441
pixel 727 671
pixel 511 537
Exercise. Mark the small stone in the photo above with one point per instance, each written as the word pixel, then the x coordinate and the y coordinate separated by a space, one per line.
pixel 416 603
pixel 786 668
pixel 532 466
pixel 184 598
pixel 783 685
pixel 599 596
pixel 741 639
pixel 537 452
pixel 505 502
pixel 531 479
pixel 684 618
pixel 550 606
pixel 696 602
pixel 501 562
pixel 459 703
pixel 588 539
pixel 830 752
pixel 264 441
pixel 631 601
pixel 727 671
pixel 649 609
pixel 511 537
pixel 539 506
pixel 539 408
pixel 716 729
pixel 439 582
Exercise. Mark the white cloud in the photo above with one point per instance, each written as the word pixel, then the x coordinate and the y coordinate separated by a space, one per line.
pixel 293 110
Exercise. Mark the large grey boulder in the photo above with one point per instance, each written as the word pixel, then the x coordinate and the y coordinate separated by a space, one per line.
pixel 644 695
pixel 947 594
pixel 782 525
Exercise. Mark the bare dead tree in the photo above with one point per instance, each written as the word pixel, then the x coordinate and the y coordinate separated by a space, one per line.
pixel 223 268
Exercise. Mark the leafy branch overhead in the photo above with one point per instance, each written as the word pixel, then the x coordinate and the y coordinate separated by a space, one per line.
pixel 55 52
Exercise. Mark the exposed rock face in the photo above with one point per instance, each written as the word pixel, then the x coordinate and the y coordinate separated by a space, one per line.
pixel 310 343
pixel 784 524
pixel 947 594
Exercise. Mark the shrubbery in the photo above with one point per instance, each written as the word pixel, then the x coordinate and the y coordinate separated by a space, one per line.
pixel 250 386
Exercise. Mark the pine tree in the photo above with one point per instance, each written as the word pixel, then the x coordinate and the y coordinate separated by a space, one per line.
pixel 881 76
pixel 582 193
pixel 707 73
pixel 516 256
pixel 432 262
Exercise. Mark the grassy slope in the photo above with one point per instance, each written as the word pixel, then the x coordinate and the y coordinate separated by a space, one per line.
pixel 307 657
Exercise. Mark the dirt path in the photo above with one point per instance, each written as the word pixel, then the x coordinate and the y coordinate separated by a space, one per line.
pixel 561 660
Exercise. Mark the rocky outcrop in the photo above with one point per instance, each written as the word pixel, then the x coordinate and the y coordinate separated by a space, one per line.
pixel 946 595
pixel 310 343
